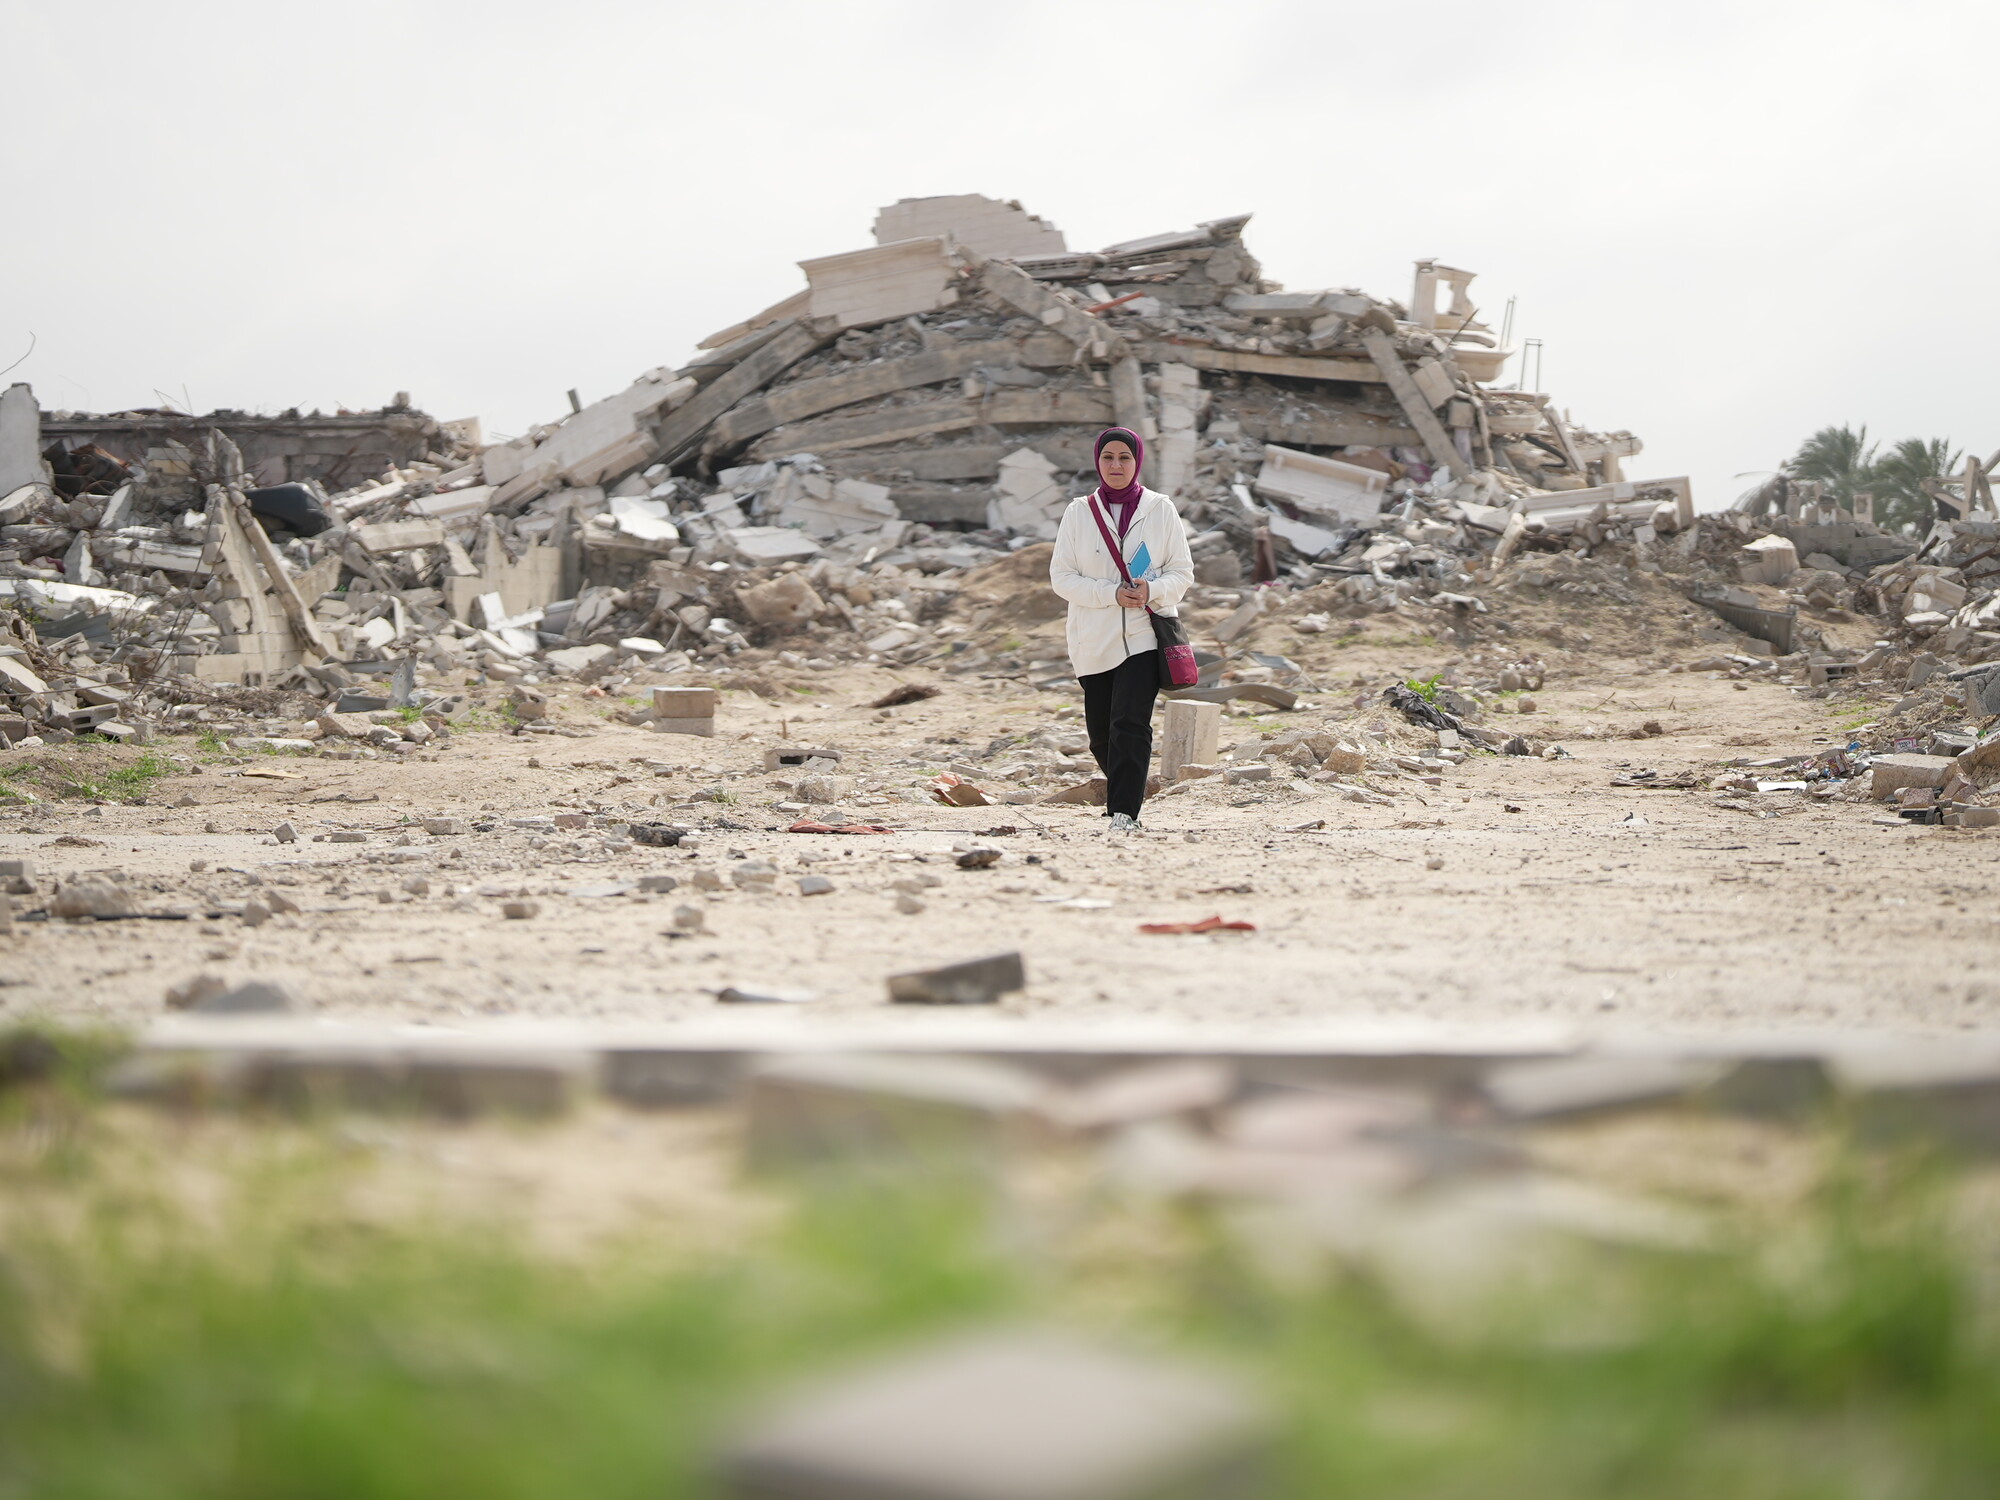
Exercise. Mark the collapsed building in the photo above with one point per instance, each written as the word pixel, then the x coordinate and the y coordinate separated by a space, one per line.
pixel 827 466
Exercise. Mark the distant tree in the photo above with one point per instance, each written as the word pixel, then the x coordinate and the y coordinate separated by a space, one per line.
pixel 1840 458
pixel 1897 480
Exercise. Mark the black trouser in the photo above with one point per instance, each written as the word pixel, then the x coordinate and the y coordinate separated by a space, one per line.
pixel 1118 712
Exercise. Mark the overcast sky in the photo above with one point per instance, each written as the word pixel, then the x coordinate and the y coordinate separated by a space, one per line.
pixel 1730 223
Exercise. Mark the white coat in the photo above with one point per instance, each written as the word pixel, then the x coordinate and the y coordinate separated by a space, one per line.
pixel 1102 633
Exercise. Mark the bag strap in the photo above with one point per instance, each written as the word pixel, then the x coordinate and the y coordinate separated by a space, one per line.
pixel 1104 530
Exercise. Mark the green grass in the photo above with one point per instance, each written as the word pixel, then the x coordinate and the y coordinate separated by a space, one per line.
pixel 118 784
pixel 9 792
pixel 268 1344
pixel 409 713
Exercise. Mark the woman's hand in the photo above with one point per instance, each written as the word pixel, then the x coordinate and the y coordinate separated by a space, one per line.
pixel 1135 595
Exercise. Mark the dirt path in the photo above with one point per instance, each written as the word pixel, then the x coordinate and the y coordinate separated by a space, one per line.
pixel 1518 891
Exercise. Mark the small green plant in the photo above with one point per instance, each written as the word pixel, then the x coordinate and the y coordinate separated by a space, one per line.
pixel 409 713
pixel 1425 688
pixel 119 784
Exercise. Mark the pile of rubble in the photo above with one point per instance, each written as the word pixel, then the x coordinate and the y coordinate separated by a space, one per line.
pixel 829 469
pixel 824 480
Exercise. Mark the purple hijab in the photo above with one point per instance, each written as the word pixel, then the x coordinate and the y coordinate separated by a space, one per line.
pixel 1122 503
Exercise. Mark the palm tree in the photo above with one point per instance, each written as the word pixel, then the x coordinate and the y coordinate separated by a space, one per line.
pixel 1840 458
pixel 1897 480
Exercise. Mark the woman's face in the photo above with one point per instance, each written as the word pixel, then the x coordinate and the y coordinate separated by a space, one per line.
pixel 1115 465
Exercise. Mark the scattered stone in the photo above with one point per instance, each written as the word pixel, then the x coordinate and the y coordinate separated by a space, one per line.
pixel 255 913
pixel 347 836
pixel 193 992
pixel 739 995
pixel 446 827
pixel 520 911
pixel 87 897
pixel 252 997
pixel 657 885
pixel 690 919
pixel 909 905
pixel 979 981
pixel 980 857
pixel 815 885
pixel 284 833
pixel 755 874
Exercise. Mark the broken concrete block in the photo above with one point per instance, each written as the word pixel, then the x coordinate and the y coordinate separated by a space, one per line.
pixel 284 833
pixel 685 702
pixel 987 225
pixel 1889 774
pixel 1344 759
pixel 1769 560
pixel 1242 619
pixel 824 791
pixel 830 1108
pixel 787 601
pixel 580 661
pixel 21 462
pixel 1260 771
pixel 1009 1416
pixel 254 997
pixel 1327 487
pixel 187 995
pixel 1191 736
pixel 88 897
pixel 978 981
pixel 399 536
pixel 762 546
pixel 446 827
pixel 678 710
pixel 864 287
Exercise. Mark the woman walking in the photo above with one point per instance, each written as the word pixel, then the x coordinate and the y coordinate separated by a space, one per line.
pixel 1112 646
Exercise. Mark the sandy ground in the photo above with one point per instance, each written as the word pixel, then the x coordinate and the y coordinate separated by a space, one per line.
pixel 1518 891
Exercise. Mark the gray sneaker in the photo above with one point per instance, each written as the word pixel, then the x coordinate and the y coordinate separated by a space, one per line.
pixel 1124 823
